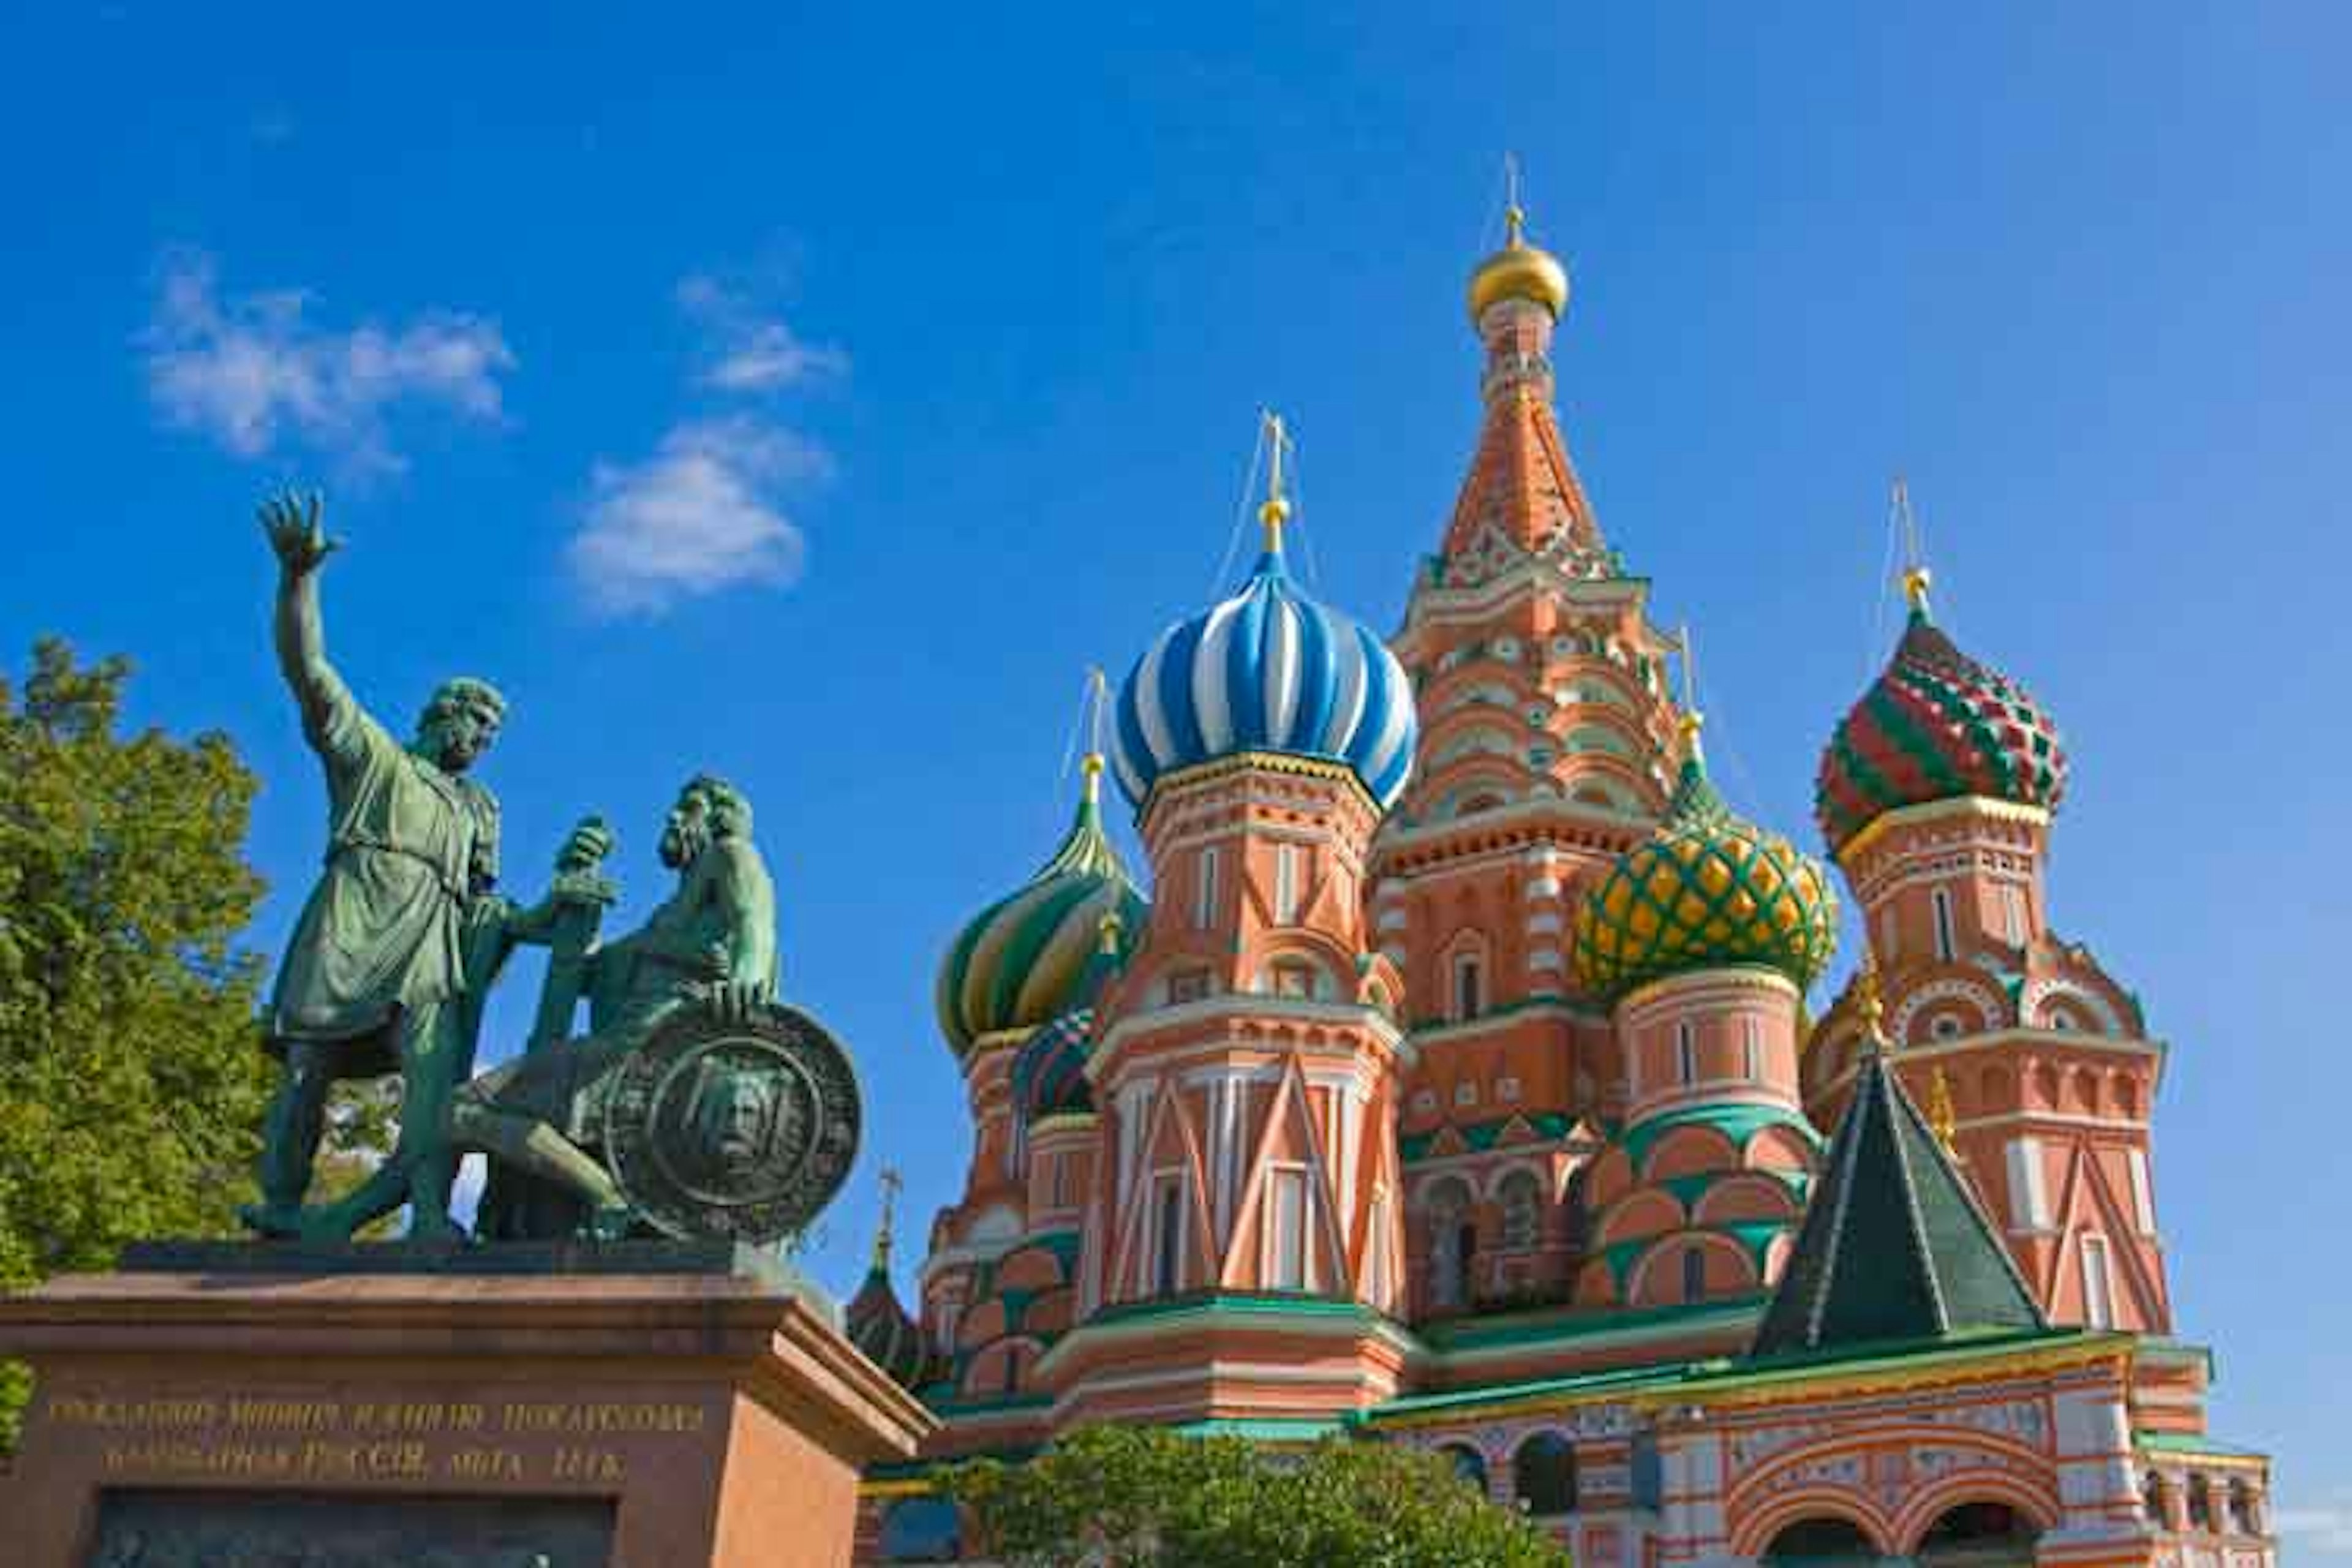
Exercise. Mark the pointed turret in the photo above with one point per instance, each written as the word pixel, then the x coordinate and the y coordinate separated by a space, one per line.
pixel 1895 1244
pixel 1521 482
pixel 877 1324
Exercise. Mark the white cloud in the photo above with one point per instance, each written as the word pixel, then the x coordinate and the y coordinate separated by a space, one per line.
pixel 252 373
pixel 751 353
pixel 700 515
pixel 2325 1530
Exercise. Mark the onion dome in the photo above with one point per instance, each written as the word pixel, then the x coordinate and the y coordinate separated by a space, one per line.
pixel 1018 964
pixel 1049 1071
pixel 1268 669
pixel 877 1324
pixel 1518 271
pixel 1937 725
pixel 1707 890
pixel 1049 1074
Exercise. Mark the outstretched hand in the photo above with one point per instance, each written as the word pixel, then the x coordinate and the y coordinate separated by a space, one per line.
pixel 297 531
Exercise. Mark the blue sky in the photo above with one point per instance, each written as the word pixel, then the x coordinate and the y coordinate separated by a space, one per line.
pixel 813 397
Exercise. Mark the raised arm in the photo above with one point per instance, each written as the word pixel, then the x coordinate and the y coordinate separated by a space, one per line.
pixel 748 899
pixel 301 544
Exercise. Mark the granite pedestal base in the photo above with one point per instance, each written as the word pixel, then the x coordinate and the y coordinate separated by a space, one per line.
pixel 645 1407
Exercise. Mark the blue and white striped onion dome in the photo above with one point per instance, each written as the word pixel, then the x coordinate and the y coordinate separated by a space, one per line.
pixel 1049 1072
pixel 1025 960
pixel 1267 670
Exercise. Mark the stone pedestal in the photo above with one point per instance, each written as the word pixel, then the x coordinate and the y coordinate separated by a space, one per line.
pixel 641 1406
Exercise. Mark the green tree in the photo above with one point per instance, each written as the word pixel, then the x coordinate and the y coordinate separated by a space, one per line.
pixel 132 1087
pixel 1116 1497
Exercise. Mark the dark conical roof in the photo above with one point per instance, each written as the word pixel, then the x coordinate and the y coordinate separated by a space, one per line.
pixel 1894 1244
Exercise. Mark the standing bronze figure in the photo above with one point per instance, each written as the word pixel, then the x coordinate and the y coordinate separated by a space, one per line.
pixel 387 964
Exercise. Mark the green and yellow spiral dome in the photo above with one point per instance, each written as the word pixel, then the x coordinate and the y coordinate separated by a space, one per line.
pixel 1706 890
pixel 1019 961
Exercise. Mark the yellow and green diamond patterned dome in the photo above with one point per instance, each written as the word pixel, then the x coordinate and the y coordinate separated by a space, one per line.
pixel 1019 961
pixel 1706 890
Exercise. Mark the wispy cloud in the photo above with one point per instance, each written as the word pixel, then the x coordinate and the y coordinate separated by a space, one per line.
pixel 2325 1530
pixel 701 514
pixel 750 351
pixel 254 373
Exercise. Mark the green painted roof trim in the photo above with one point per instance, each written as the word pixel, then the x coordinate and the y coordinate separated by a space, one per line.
pixel 1480 1136
pixel 1566 1325
pixel 2192 1443
pixel 1222 1302
pixel 1738 1122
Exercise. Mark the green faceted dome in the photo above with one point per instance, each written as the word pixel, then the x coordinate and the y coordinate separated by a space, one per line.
pixel 1707 890
pixel 1019 961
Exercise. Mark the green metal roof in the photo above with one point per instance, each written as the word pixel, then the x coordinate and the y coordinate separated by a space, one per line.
pixel 1736 1122
pixel 1895 1246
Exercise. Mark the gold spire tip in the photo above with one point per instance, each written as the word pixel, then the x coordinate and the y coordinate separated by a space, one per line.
pixel 1090 767
pixel 889 1182
pixel 1916 580
pixel 1108 930
pixel 1867 1002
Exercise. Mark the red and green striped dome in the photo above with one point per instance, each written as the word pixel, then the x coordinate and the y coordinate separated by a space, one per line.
pixel 1936 726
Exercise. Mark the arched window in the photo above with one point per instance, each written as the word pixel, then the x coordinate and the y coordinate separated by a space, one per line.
pixel 2200 1503
pixel 1685 1053
pixel 1168 1240
pixel 921 1530
pixel 1819 1541
pixel 2151 1499
pixel 1941 898
pixel 1976 1532
pixel 1468 1463
pixel 1543 1475
pixel 1694 1274
pixel 1522 1210
pixel 1452 1240
pixel 2241 1509
pixel 1469 994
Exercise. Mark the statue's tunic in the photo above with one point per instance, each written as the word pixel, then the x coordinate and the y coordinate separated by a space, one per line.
pixel 384 931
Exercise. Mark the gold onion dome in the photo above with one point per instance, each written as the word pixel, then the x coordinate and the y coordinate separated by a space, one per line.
pixel 1020 961
pixel 1709 889
pixel 1518 271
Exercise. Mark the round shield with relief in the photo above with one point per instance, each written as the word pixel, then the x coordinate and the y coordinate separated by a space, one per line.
pixel 733 1129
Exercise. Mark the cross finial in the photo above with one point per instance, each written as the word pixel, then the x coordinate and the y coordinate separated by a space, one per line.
pixel 889 1182
pixel 1276 510
pixel 1916 575
pixel 1091 765
pixel 1692 719
pixel 1514 216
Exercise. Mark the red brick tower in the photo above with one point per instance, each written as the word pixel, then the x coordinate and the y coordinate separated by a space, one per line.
pixel 1548 740
pixel 1935 796
pixel 1245 1257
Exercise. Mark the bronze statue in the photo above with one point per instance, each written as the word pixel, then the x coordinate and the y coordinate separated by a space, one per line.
pixel 388 961
pixel 695 1106
pixel 711 943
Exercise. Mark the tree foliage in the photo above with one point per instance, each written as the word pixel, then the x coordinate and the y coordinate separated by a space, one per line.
pixel 1114 1497
pixel 132 1088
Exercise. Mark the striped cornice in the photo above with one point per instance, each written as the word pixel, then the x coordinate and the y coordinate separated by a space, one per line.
pixel 1887 822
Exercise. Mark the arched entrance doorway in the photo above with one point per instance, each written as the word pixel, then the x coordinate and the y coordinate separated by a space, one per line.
pixel 1822 1541
pixel 1978 1535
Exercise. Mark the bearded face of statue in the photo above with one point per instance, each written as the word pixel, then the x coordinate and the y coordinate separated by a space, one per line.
pixel 460 724
pixel 687 831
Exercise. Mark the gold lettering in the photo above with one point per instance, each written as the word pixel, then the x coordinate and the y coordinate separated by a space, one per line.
pixel 485 1465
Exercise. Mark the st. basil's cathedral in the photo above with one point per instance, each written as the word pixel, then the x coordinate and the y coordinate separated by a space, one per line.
pixel 1453 1084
